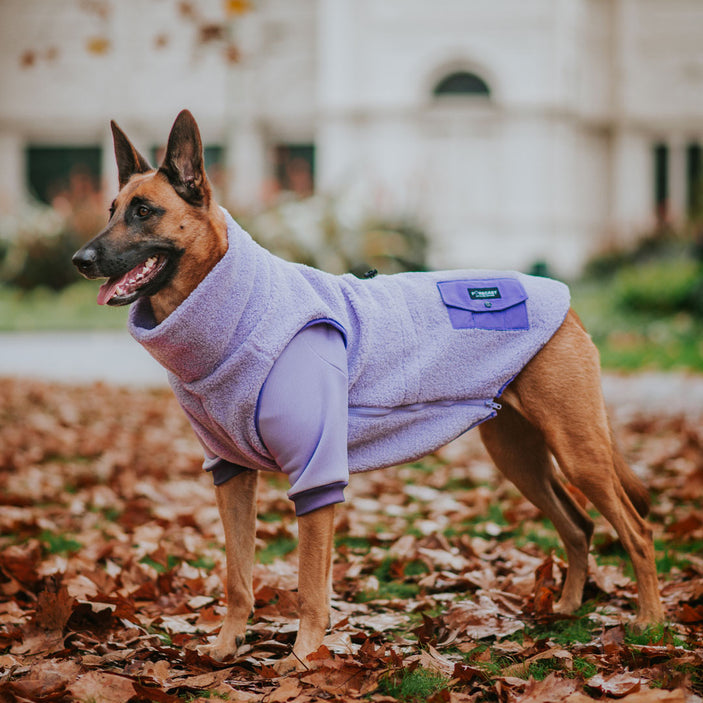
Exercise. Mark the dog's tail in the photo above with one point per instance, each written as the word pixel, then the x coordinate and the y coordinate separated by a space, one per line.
pixel 636 490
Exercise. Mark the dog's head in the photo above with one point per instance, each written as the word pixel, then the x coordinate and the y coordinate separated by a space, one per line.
pixel 165 231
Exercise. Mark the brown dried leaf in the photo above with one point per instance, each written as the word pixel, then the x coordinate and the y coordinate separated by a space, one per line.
pixel 47 680
pixel 102 687
pixel 552 689
pixel 287 690
pixel 618 684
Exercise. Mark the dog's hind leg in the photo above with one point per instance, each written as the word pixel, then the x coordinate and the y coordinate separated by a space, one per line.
pixel 520 453
pixel 236 501
pixel 559 392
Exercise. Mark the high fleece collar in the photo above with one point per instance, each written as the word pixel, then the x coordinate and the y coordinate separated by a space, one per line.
pixel 219 319
pixel 193 339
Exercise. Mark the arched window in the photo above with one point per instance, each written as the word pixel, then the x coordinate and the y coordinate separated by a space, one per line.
pixel 462 83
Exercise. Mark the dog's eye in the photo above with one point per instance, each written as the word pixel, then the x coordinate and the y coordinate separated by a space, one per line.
pixel 143 211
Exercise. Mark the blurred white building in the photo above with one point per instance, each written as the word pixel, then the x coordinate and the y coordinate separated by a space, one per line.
pixel 513 131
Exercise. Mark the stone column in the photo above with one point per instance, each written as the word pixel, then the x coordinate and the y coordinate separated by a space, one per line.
pixel 632 185
pixel 12 173
pixel 335 152
pixel 245 139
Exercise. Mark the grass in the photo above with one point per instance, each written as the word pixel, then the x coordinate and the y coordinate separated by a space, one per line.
pixel 59 544
pixel 45 310
pixel 654 635
pixel 276 549
pixel 565 632
pixel 633 340
pixel 412 685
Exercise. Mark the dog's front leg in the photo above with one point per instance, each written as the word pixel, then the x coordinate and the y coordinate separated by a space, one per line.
pixel 315 535
pixel 236 501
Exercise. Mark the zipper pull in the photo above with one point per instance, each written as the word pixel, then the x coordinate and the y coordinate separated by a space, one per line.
pixel 493 405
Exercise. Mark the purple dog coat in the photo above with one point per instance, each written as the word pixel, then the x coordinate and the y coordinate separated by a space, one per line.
pixel 426 353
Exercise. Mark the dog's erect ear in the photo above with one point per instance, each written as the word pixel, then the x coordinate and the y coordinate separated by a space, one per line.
pixel 183 163
pixel 129 160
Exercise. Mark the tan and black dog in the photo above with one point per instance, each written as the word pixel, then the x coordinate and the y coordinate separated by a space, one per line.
pixel 167 232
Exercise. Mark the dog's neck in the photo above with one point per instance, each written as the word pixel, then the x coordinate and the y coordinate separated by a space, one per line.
pixel 199 259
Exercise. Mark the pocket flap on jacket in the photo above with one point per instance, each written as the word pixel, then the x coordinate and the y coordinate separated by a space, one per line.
pixel 482 295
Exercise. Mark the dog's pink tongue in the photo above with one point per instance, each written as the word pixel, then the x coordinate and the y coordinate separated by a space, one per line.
pixel 107 290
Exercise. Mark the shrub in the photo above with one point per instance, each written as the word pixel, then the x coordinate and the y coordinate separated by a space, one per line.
pixel 36 245
pixel 665 287
pixel 338 236
pixel 663 244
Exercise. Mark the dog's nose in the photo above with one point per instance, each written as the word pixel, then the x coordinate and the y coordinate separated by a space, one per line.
pixel 85 259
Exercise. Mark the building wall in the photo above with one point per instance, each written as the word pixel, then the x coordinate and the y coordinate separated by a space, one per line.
pixel 555 165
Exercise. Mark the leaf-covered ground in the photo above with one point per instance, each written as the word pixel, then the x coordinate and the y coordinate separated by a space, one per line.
pixel 111 565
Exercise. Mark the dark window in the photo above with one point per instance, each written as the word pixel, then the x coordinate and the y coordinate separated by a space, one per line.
pixel 52 171
pixel 661 180
pixel 462 83
pixel 694 172
pixel 213 155
pixel 295 168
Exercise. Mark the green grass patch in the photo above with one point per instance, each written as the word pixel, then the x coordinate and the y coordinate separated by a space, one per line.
pixel 584 668
pixel 270 517
pixel 634 338
pixel 412 685
pixel 566 632
pixel 674 554
pixel 353 543
pixel 416 567
pixel 277 549
pixel 476 527
pixel 59 544
pixel 110 514
pixel 460 483
pixel 547 542
pixel 73 308
pixel 390 588
pixel 171 563
pixel 494 665
pixel 540 669
pixel 201 562
pixel 656 635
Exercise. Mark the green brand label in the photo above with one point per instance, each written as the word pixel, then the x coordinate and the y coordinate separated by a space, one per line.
pixel 484 293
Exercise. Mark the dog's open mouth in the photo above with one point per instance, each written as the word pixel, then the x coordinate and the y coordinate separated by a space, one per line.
pixel 121 290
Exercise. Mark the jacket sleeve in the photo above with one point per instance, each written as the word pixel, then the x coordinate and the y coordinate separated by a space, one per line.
pixel 302 417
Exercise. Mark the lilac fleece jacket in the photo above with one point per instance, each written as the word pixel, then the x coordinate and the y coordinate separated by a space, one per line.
pixel 427 352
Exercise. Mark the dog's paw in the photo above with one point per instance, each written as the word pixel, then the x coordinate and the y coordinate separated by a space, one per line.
pixel 290 665
pixel 566 606
pixel 220 651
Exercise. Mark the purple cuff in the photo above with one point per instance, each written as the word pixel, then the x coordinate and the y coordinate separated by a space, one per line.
pixel 307 501
pixel 223 471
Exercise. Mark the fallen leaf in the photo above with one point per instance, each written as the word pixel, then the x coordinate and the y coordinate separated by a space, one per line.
pixel 102 687
pixel 287 690
pixel 552 689
pixel 618 684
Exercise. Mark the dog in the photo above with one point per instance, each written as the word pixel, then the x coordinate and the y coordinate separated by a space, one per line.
pixel 163 249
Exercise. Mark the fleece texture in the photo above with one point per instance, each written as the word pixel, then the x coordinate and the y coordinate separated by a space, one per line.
pixel 427 353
